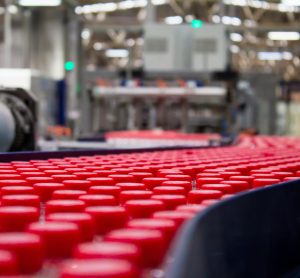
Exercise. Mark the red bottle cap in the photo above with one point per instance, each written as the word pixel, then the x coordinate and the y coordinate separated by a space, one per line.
pixel 227 174
pixel 10 177
pixel 191 208
pixel 85 175
pixel 143 208
pixel 122 171
pixel 169 190
pixel 134 195
pixel 131 186
pixel 27 249
pixel 84 221
pixel 118 178
pixel 34 180
pixel 54 206
pixel 166 226
pixel 101 181
pixel 105 173
pixel 153 182
pixel 282 175
pixel 98 200
pixel 59 238
pixel 186 184
pixel 77 184
pixel 179 177
pixel 21 200
pixel 291 178
pixel 197 196
pixel 45 190
pixel 150 242
pixel 108 218
pixel 179 217
pixel 248 179
pixel 237 186
pixel 264 176
pixel 32 174
pixel 98 268
pixel 13 183
pixel 112 190
pixel 202 181
pixel 170 201
pixel 8 171
pixel 208 203
pixel 66 194
pixel 264 182
pixel 74 170
pixel 224 188
pixel 16 218
pixel 108 250
pixel 8 263
pixel 64 177
pixel 139 176
pixel 13 190
pixel 208 175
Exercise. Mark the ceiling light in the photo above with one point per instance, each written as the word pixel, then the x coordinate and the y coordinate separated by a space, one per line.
pixel 86 34
pixel 173 20
pixel 116 53
pixel 236 37
pixel 40 3
pixel 284 36
pixel 275 56
pixel 98 46
pixel 291 2
pixel 12 9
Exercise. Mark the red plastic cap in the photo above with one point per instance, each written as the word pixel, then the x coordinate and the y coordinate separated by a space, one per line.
pixel 153 182
pixel 170 201
pixel 10 177
pixel 169 190
pixel 237 186
pixel 197 196
pixel 139 176
pixel 201 181
pixel 248 179
pixel 112 190
pixel 122 178
pixel 186 184
pixel 264 182
pixel 45 190
pixel 55 206
pixel 134 195
pixel 224 188
pixel 179 177
pixel 34 180
pixel 21 200
pixel 98 200
pixel 208 203
pixel 13 190
pixel 7 183
pixel 84 221
pixel 179 217
pixel 108 218
pixel 131 186
pixel 8 263
pixel 101 181
pixel 150 242
pixel 66 194
pixel 166 226
pixel 98 268
pixel 63 177
pixel 16 218
pixel 143 208
pixel 59 238
pixel 27 249
pixel 108 250
pixel 85 175
pixel 77 184
pixel 191 208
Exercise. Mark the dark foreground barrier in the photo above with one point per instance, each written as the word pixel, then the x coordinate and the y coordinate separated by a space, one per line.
pixel 256 234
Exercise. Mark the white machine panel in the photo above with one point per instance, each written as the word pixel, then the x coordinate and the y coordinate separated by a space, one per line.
pixel 209 48
pixel 167 48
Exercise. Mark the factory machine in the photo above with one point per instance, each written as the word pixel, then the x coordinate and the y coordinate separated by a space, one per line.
pixel 18 120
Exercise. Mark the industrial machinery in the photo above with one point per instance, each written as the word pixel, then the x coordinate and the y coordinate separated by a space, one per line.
pixel 18 120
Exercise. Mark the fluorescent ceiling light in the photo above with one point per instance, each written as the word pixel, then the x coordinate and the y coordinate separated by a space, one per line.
pixel 236 37
pixel 40 3
pixel 291 2
pixel 98 46
pixel 173 20
pixel 284 36
pixel 275 56
pixel 116 53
